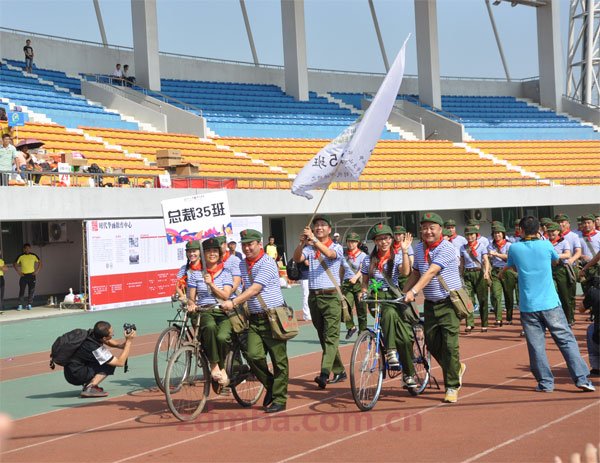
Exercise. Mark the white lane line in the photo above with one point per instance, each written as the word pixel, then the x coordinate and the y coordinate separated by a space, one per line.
pixel 530 433
pixel 422 412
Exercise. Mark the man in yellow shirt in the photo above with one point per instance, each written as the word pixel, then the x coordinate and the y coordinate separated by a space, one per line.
pixel 271 248
pixel 27 266
pixel 3 268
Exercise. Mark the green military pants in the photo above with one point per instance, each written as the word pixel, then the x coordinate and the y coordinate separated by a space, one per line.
pixel 261 342
pixel 590 273
pixel 397 333
pixel 326 313
pixel 563 288
pixel 215 335
pixel 476 285
pixel 441 335
pixel 573 289
pixel 352 294
pixel 506 288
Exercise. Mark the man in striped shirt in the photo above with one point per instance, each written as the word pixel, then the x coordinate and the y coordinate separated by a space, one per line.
pixel 260 277
pixel 325 259
pixel 435 258
pixel 573 239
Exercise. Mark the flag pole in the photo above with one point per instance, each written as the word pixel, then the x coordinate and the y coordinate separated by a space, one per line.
pixel 326 190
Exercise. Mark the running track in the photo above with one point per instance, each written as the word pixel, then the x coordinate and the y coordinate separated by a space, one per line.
pixel 498 418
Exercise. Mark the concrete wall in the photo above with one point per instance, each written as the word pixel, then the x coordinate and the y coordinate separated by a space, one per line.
pixel 75 57
pixel 584 112
pixel 437 127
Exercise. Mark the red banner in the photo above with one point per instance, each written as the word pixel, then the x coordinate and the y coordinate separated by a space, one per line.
pixel 129 287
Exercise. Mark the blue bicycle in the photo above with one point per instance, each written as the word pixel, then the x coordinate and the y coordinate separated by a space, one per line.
pixel 368 366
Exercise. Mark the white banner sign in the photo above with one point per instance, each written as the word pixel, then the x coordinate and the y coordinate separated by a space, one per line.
pixel 197 217
pixel 63 170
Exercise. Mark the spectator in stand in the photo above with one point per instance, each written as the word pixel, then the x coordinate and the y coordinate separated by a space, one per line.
pixel 28 50
pixel 27 266
pixel 117 75
pixel 27 163
pixel 129 80
pixel 8 154
pixel 231 246
pixel 3 116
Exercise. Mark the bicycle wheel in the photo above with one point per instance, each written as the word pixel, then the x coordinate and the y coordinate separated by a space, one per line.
pixel 366 371
pixel 245 386
pixel 421 360
pixel 166 345
pixel 187 383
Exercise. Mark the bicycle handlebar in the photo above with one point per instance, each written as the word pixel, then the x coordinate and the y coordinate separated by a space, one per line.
pixel 399 300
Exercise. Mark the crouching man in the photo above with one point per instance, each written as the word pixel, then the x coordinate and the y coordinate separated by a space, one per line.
pixel 93 361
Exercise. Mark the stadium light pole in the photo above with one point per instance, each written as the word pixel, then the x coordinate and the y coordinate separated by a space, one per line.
pixel 249 32
pixel 379 37
pixel 100 22
pixel 498 42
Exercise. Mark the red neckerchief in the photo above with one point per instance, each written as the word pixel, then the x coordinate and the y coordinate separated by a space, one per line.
pixel 454 235
pixel 382 259
pixel 473 248
pixel 557 240
pixel 327 243
pixel 225 257
pixel 500 244
pixel 354 254
pixel 566 232
pixel 431 247
pixel 546 235
pixel 212 272
pixel 197 266
pixel 397 246
pixel 589 235
pixel 182 282
pixel 250 262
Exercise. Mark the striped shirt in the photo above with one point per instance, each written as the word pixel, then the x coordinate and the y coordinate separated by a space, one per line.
pixel 562 246
pixel 444 256
pixel 356 263
pixel 266 274
pixel 574 241
pixel 496 261
pixel 317 276
pixel 366 263
pixel 204 295
pixel 469 260
pixel 593 242
pixel 233 265
pixel 182 271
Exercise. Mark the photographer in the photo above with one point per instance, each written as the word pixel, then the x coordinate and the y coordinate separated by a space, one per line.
pixel 92 362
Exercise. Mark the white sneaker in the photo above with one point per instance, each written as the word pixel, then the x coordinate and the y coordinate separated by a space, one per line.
pixel 392 358
pixel 587 387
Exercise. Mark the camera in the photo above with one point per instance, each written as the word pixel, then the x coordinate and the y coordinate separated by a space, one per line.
pixel 129 327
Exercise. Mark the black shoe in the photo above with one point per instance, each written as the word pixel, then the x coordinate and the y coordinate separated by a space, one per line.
pixel 351 332
pixel 268 398
pixel 338 378
pixel 321 380
pixel 274 408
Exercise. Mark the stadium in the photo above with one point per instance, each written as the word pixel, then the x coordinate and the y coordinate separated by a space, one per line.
pixel 178 125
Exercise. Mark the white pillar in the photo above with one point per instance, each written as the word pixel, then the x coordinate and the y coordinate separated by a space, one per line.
pixel 145 43
pixel 428 55
pixel 550 55
pixel 294 49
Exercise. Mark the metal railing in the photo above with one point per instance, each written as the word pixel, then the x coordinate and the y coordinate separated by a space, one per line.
pixel 125 180
pixel 119 84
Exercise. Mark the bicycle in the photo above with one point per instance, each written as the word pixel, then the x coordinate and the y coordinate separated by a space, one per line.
pixel 169 340
pixel 188 381
pixel 368 365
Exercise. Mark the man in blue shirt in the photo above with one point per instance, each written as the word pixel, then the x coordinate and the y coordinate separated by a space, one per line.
pixel 540 308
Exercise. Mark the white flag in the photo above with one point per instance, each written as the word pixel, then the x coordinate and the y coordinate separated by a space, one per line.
pixel 346 156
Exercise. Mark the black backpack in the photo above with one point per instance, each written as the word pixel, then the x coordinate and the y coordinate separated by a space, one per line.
pixel 65 346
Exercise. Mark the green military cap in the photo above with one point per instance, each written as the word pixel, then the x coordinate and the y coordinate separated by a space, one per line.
pixel 471 230
pixel 498 228
pixel 446 232
pixel 211 243
pixel 547 220
pixel 450 223
pixel 517 222
pixel 221 239
pixel 353 237
pixel 579 219
pixel 192 245
pixel 380 229
pixel 249 235
pixel 553 226
pixel 432 217
pixel 399 229
pixel 561 218
pixel 591 217
pixel 472 222
pixel 323 217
